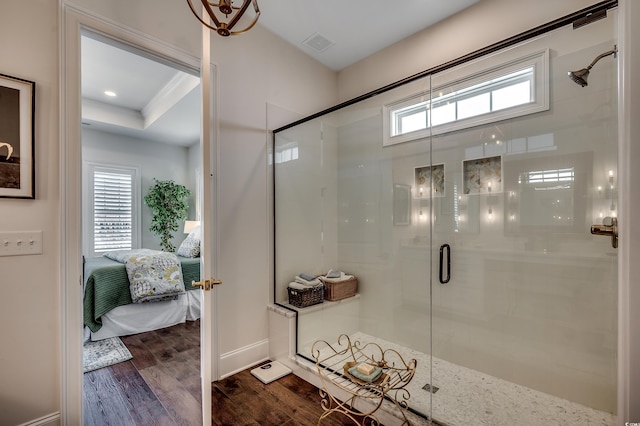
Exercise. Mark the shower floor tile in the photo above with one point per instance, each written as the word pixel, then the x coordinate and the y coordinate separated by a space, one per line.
pixel 468 397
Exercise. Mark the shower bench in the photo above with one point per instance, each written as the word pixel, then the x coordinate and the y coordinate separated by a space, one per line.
pixel 359 400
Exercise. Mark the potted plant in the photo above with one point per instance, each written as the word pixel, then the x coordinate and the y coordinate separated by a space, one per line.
pixel 168 203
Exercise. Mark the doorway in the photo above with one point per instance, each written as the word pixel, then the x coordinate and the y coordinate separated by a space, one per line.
pixel 140 124
pixel 140 121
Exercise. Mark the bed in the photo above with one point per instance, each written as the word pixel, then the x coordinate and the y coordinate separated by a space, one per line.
pixel 108 307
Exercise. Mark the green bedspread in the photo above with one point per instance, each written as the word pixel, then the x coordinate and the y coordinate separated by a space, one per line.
pixel 107 286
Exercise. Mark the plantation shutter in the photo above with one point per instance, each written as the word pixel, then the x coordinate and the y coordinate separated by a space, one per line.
pixel 112 211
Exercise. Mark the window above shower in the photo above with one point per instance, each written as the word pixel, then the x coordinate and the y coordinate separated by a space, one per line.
pixel 483 95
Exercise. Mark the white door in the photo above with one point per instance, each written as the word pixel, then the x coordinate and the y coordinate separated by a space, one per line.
pixel 208 366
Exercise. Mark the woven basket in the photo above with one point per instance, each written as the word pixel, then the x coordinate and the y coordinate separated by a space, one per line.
pixel 306 297
pixel 340 290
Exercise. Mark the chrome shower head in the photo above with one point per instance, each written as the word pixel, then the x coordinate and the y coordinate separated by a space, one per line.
pixel 580 76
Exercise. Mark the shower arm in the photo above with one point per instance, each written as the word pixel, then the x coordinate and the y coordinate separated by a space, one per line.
pixel 602 55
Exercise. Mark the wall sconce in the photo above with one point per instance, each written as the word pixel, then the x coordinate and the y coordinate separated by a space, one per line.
pixel 489 202
pixel 225 15
pixel 490 215
pixel 612 207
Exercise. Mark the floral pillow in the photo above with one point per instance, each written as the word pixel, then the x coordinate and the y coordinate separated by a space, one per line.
pixel 190 247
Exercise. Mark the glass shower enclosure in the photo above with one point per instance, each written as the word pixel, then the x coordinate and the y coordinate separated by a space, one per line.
pixel 462 200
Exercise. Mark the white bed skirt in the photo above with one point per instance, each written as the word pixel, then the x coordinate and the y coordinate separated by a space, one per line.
pixel 139 318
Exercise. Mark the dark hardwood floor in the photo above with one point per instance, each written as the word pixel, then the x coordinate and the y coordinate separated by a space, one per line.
pixel 161 386
pixel 244 400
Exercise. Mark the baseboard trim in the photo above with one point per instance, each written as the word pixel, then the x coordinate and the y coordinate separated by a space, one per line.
pixel 240 359
pixel 49 420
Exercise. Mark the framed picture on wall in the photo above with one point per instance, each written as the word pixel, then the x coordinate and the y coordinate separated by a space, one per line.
pixel 17 105
pixel 429 178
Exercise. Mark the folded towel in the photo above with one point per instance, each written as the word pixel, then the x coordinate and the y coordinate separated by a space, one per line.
pixel 299 286
pixel 366 377
pixel 342 277
pixel 307 277
pixel 333 273
pixel 310 283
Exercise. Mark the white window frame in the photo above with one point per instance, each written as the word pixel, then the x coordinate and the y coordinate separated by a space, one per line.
pixel 88 228
pixel 480 73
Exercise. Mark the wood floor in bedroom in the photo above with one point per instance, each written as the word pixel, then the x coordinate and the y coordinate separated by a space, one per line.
pixel 161 386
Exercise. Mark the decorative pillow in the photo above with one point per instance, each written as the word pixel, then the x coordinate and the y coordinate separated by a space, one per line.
pixel 190 247
pixel 123 256
pixel 155 277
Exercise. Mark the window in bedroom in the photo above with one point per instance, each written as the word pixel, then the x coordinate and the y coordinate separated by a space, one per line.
pixel 113 217
pixel 480 96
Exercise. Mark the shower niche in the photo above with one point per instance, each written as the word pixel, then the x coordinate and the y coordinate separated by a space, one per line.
pixel 505 160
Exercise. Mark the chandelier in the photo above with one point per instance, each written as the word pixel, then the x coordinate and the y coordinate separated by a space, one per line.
pixel 225 15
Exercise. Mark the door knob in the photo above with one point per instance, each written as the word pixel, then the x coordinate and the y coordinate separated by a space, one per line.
pixel 609 227
pixel 206 284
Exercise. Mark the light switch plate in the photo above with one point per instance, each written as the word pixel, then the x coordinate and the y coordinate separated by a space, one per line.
pixel 20 243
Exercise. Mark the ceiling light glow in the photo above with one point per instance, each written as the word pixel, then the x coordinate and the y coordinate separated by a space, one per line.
pixel 110 93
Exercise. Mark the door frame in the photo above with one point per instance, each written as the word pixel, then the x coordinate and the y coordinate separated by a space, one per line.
pixel 72 21
pixel 629 203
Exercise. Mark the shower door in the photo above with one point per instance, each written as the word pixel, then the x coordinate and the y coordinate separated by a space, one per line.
pixel 463 203
pixel 524 304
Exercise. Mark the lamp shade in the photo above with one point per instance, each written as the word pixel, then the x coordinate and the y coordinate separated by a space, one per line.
pixel 189 225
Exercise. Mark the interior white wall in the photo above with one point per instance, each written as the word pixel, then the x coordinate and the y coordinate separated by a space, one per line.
pixel 169 21
pixel 478 26
pixel 153 160
pixel 29 307
pixel 194 169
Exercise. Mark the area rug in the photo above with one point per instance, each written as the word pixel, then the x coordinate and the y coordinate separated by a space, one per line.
pixel 104 353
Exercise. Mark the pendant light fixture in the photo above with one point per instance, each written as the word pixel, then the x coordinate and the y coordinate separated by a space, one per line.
pixel 225 15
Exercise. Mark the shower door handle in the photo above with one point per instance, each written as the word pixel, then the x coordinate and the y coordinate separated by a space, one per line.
pixel 608 228
pixel 443 248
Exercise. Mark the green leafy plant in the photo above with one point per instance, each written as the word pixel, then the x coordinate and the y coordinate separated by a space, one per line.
pixel 168 203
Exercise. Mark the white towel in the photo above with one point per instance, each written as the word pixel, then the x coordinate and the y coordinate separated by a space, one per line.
pixel 308 283
pixel 343 277
pixel 299 286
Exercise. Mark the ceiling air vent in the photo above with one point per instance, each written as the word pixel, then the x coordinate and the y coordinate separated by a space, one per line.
pixel 318 42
